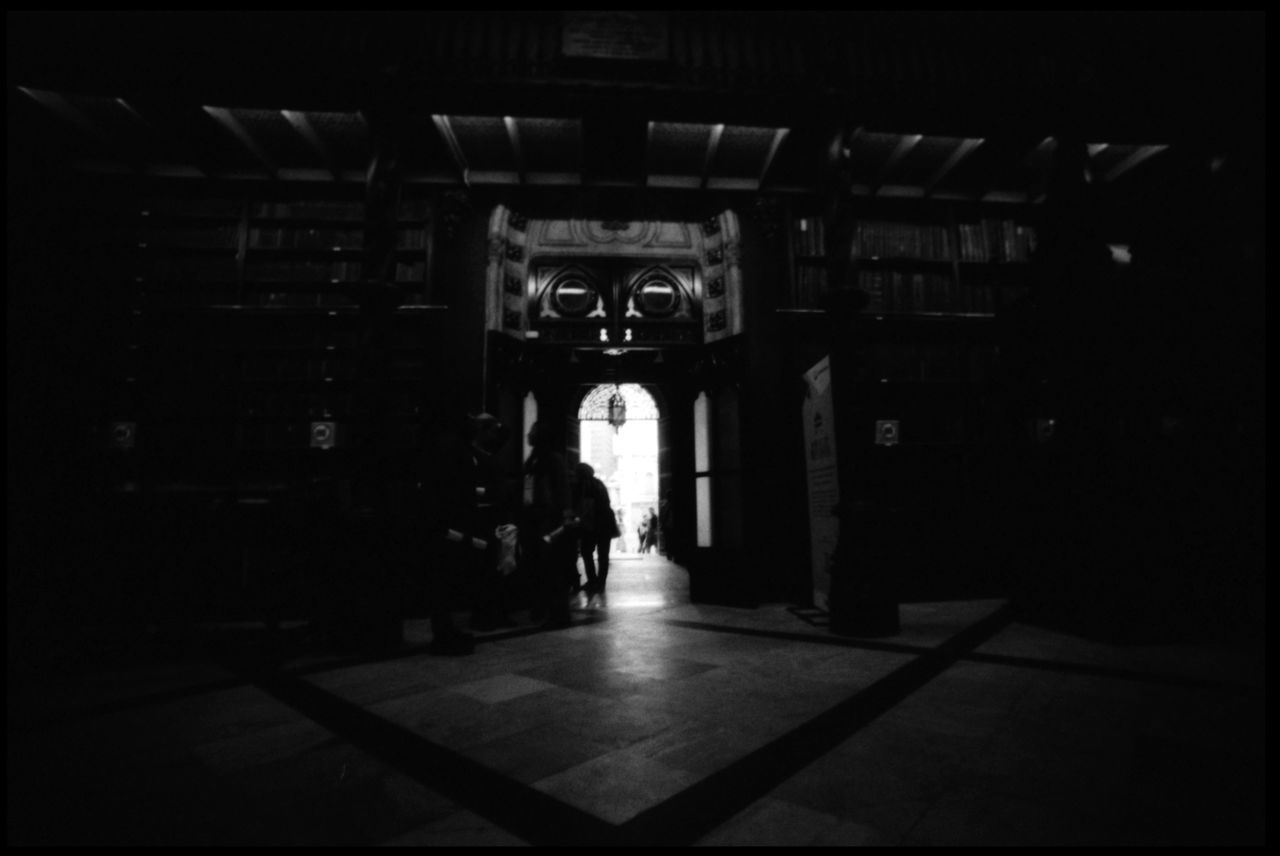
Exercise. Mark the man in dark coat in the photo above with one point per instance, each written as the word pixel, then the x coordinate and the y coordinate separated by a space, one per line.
pixel 597 526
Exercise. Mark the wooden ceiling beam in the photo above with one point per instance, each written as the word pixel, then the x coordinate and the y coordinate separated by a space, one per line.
pixel 778 137
pixel 227 120
pixel 1142 154
pixel 713 145
pixel 513 136
pixel 59 106
pixel 307 131
pixel 455 148
pixel 900 151
pixel 962 151
pixel 162 130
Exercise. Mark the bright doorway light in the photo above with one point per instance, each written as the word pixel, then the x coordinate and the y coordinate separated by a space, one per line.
pixel 626 458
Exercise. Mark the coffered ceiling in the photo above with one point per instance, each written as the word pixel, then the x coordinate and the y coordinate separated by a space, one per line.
pixel 180 109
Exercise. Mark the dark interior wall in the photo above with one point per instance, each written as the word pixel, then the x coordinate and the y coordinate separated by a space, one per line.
pixel 58 299
pixel 462 250
pixel 156 534
pixel 776 501
pixel 1144 511
pixel 1155 491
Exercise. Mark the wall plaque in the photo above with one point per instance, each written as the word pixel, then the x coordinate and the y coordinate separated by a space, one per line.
pixel 615 35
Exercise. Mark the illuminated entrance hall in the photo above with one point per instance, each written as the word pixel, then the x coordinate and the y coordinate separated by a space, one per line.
pixel 255 297
pixel 625 457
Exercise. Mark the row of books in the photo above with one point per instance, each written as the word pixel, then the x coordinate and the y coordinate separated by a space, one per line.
pixel 927 361
pixel 221 278
pixel 811 286
pixel 318 209
pixel 284 437
pixel 988 240
pixel 300 238
pixel 230 295
pixel 265 270
pixel 225 236
pixel 412 272
pixel 283 237
pixel 994 240
pixel 232 208
pixel 254 369
pixel 228 237
pixel 898 292
pixel 323 209
pixel 274 368
pixel 197 295
pixel 809 236
pixel 882 239
pixel 180 270
pixel 300 299
pixel 200 207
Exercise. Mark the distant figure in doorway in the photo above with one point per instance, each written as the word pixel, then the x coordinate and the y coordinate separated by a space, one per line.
pixel 597 526
pixel 622 531
pixel 642 535
pixel 664 525
pixel 548 546
pixel 651 531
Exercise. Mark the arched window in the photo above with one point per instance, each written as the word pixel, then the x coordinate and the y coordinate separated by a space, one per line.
pixel 640 404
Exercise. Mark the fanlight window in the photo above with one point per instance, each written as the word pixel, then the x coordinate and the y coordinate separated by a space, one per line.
pixel 640 404
pixel 572 293
pixel 658 297
pixel 573 297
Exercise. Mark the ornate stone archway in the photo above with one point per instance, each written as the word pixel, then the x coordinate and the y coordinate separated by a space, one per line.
pixel 711 250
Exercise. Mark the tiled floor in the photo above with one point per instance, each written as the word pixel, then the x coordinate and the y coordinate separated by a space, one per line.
pixel 655 721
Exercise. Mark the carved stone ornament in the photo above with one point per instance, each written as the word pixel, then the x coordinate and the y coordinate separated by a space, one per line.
pixel 497 248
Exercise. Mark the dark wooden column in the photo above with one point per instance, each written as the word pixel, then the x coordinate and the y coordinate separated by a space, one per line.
pixel 372 568
pixel 862 597
pixel 379 295
pixel 1078 542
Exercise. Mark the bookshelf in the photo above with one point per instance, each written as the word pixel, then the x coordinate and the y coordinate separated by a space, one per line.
pixel 927 353
pixel 239 325
pixel 302 253
pixel 928 262
pixel 807 255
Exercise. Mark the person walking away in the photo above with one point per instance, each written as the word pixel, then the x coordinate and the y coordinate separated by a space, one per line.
pixel 597 526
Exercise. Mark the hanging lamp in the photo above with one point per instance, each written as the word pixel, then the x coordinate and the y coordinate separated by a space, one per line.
pixel 617 408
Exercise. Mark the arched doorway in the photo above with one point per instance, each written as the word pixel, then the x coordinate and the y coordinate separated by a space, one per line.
pixel 622 433
pixel 574 303
pixel 624 453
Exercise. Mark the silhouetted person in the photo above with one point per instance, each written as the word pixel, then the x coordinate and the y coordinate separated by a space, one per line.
pixel 548 546
pixel 489 609
pixel 597 526
pixel 664 525
pixel 650 531
pixel 464 488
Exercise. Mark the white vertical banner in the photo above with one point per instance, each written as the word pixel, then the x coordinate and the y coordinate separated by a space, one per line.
pixel 820 467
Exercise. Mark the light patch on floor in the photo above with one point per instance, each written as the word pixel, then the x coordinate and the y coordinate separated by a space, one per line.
pixel 501 688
